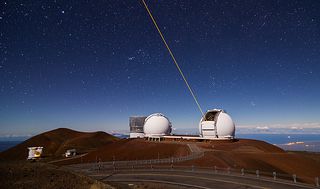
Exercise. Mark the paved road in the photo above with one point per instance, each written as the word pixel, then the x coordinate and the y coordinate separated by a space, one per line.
pixel 190 179
pixel 194 148
pixel 68 158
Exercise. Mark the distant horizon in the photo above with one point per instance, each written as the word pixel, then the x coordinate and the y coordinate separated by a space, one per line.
pixel 290 128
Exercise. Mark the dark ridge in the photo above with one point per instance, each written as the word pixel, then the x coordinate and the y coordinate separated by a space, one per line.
pixel 57 141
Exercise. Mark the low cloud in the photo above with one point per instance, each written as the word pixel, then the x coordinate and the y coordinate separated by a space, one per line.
pixel 262 128
pixel 313 125
pixel 284 128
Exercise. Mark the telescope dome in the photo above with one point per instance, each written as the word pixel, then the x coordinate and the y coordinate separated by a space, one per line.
pixel 157 125
pixel 216 123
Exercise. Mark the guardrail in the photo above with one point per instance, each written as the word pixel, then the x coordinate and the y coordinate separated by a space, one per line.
pixel 253 174
pixel 170 160
pixel 166 164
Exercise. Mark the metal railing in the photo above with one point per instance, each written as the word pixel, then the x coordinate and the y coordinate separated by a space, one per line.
pixel 169 160
pixel 166 164
pixel 251 174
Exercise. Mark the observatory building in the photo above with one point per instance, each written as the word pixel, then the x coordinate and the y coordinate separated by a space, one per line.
pixel 216 124
pixel 34 153
pixel 157 125
pixel 136 126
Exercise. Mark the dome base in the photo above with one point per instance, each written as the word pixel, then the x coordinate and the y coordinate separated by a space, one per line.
pixel 136 135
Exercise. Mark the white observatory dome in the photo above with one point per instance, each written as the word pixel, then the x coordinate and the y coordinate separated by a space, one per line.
pixel 216 123
pixel 157 125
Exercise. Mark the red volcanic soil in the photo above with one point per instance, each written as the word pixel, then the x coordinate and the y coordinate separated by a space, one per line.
pixel 235 154
pixel 133 149
pixel 57 141
pixel 242 145
pixel 258 155
pixel 138 149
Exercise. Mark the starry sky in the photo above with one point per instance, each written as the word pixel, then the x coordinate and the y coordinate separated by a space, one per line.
pixel 89 65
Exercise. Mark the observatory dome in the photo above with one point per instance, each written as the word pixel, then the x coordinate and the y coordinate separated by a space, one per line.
pixel 216 123
pixel 157 125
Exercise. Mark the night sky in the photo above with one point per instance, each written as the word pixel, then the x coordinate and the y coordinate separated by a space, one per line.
pixel 89 65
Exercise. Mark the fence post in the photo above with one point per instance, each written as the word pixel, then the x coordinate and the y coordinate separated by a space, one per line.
pixel 242 171
pixel 274 175
pixel 215 169
pixel 317 181
pixel 257 173
pixel 99 166
pixel 294 176
pixel 229 170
